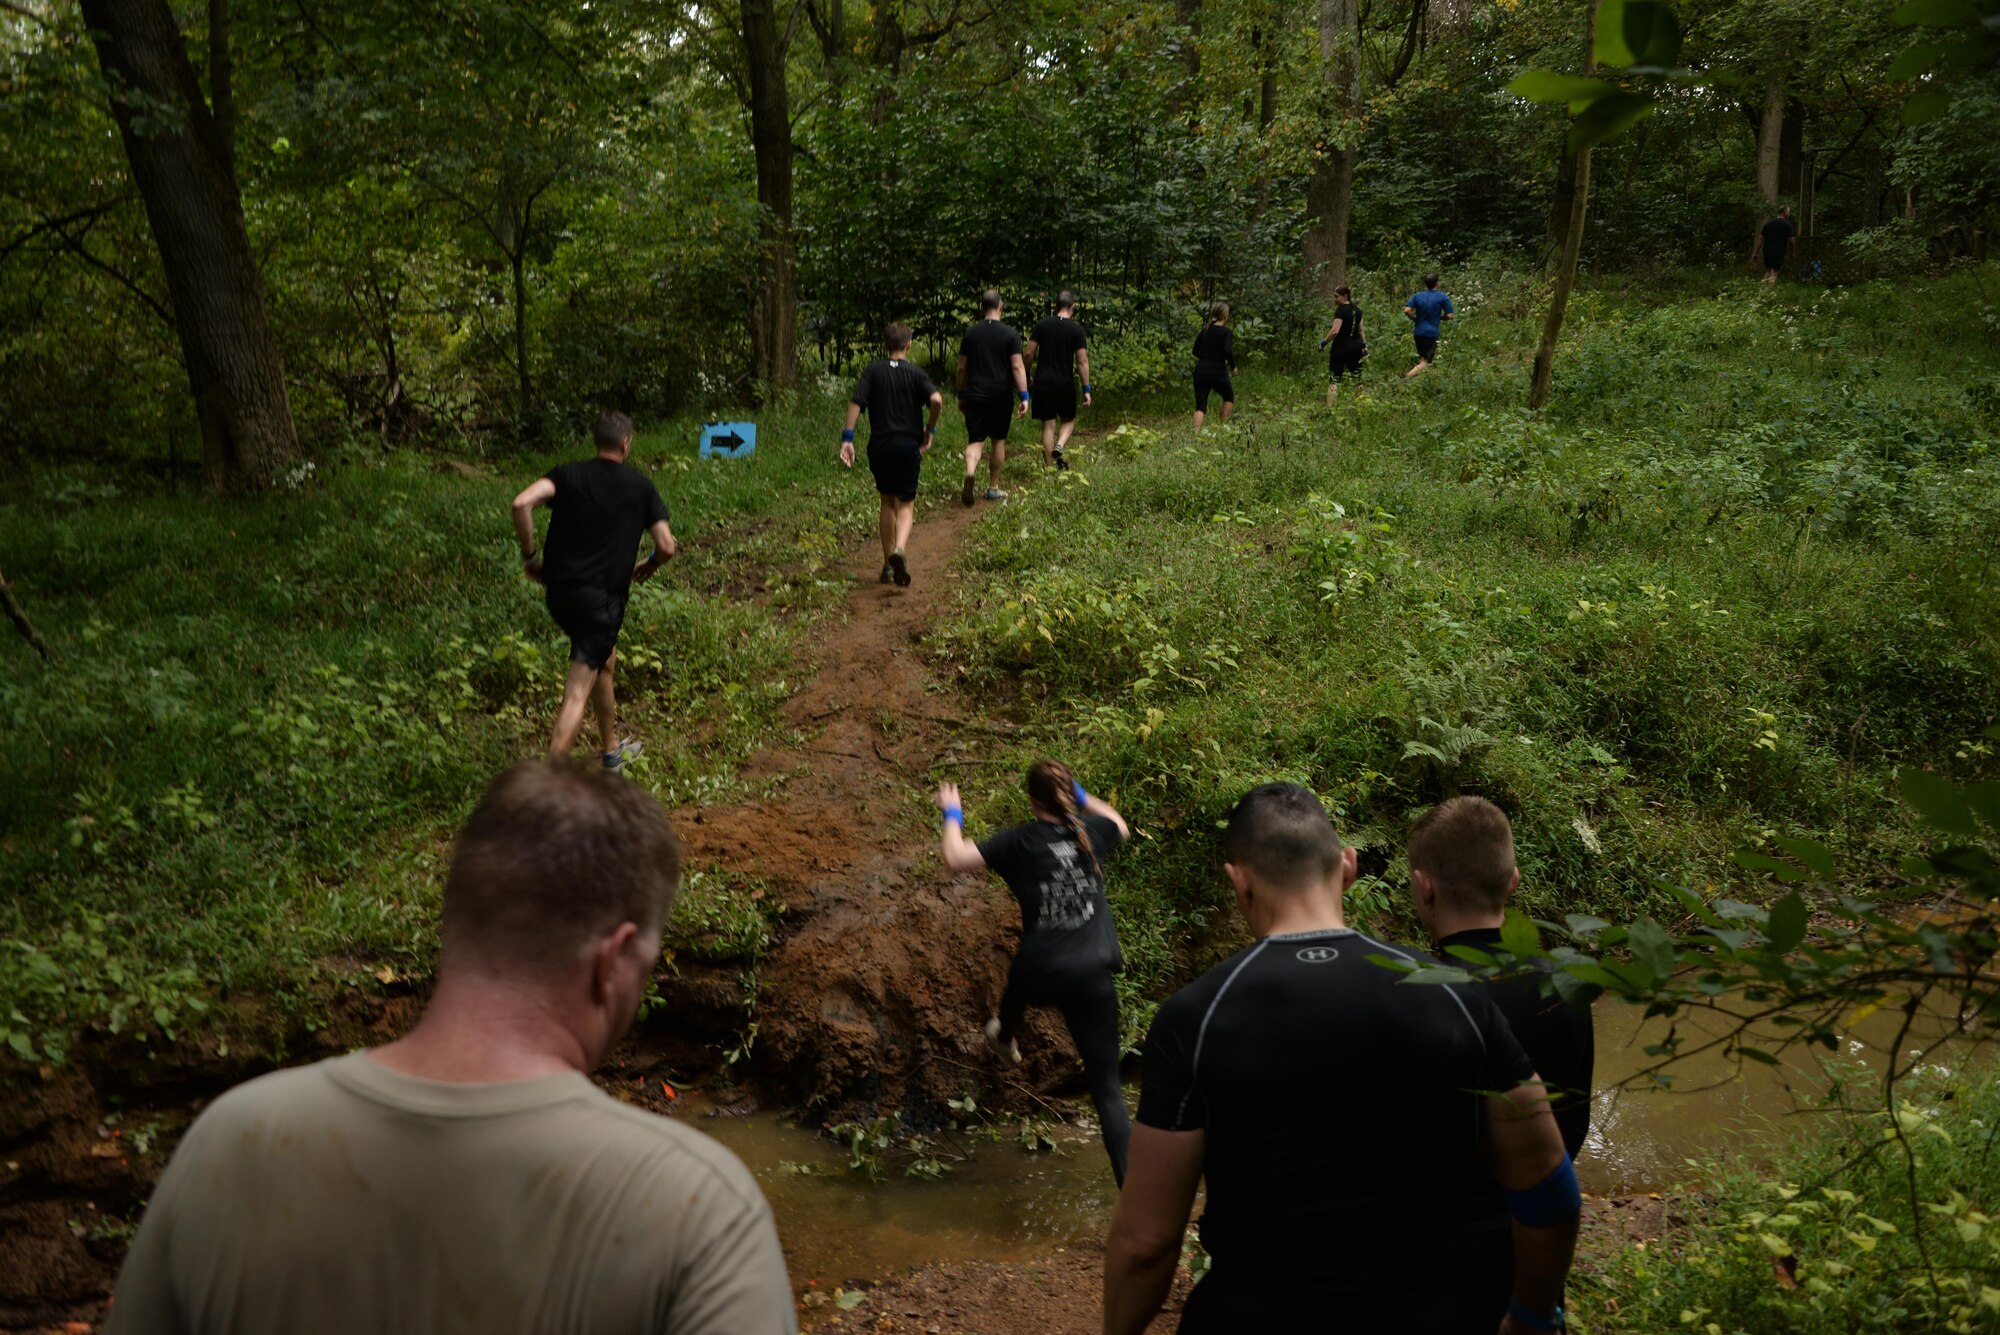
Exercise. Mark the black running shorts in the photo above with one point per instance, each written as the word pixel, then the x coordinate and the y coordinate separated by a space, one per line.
pixel 1343 359
pixel 986 420
pixel 1427 347
pixel 1054 403
pixel 591 619
pixel 1209 382
pixel 895 464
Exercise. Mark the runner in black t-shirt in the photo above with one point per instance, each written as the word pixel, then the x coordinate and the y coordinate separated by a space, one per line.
pixel 1069 946
pixel 895 393
pixel 1345 1122
pixel 1461 874
pixel 1773 240
pixel 598 508
pixel 1345 343
pixel 1214 363
pixel 1060 352
pixel 992 390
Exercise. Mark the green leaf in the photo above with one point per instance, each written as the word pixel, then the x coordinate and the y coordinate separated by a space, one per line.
pixel 1518 934
pixel 1757 1055
pixel 1926 106
pixel 1611 48
pixel 1607 118
pixel 1436 973
pixel 1914 61
pixel 1814 855
pixel 1549 86
pixel 1935 14
pixel 1653 947
pixel 1938 800
pixel 1984 799
pixel 1787 926
pixel 1756 861
pixel 1652 33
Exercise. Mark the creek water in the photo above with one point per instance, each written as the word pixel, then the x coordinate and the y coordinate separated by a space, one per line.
pixel 1005 1203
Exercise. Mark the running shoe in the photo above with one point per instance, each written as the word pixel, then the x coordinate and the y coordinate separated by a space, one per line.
pixel 965 493
pixel 1010 1053
pixel 995 494
pixel 627 749
pixel 899 569
pixel 1062 460
pixel 885 576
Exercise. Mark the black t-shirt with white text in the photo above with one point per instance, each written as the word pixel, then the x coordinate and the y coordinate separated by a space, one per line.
pixel 1066 925
pixel 1057 339
pixel 1341 1108
pixel 600 510
pixel 989 348
pixel 894 392
pixel 1349 316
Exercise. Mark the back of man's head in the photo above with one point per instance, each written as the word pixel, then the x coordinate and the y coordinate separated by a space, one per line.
pixel 989 301
pixel 1065 302
pixel 896 338
pixel 1466 845
pixel 1432 280
pixel 611 432
pixel 1784 210
pixel 1280 835
pixel 555 856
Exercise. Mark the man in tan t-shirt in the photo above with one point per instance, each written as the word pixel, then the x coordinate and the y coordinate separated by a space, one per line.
pixel 469 1177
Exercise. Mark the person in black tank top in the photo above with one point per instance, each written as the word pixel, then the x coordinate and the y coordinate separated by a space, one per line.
pixel 1214 364
pixel 1344 342
pixel 1061 354
pixel 895 393
pixel 1069 951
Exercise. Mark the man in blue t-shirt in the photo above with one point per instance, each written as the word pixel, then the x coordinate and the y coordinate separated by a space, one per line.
pixel 1429 308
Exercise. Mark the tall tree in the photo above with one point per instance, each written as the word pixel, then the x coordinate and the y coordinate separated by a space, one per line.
pixel 774 301
pixel 1330 188
pixel 1572 241
pixel 182 157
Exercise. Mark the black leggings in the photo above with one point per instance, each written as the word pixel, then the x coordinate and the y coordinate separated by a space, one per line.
pixel 1089 1006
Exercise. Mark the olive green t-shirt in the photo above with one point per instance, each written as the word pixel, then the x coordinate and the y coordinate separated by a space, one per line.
pixel 345 1196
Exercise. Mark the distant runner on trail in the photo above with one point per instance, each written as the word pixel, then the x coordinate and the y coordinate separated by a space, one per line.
pixel 1773 240
pixel 1214 363
pixel 992 390
pixel 895 393
pixel 1059 349
pixel 598 508
pixel 1346 1123
pixel 1069 946
pixel 1344 342
pixel 1461 874
pixel 1428 310
pixel 469 1176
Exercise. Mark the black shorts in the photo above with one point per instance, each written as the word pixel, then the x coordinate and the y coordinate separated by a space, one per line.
pixel 1427 347
pixel 1054 403
pixel 895 464
pixel 592 621
pixel 1343 359
pixel 1212 382
pixel 1773 263
pixel 987 420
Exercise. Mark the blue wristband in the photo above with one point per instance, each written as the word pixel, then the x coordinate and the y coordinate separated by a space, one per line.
pixel 847 436
pixel 1554 1321
pixel 956 814
pixel 1081 796
pixel 1086 388
pixel 1024 396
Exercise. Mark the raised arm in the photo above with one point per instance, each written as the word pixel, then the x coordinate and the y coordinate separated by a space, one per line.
pixel 1148 1225
pixel 539 492
pixel 960 853
pixel 1525 1152
pixel 1097 806
pixel 664 548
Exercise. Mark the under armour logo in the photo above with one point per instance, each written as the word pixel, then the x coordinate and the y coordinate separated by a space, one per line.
pixel 1318 954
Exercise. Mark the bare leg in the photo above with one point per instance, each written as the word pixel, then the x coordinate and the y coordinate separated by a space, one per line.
pixel 1417 370
pixel 1049 441
pixel 973 449
pixel 905 518
pixel 1228 407
pixel 887 526
pixel 1198 416
pixel 993 464
pixel 569 718
pixel 1332 392
pixel 1062 437
pixel 605 697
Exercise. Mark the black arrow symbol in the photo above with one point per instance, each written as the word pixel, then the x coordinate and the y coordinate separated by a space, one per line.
pixel 732 441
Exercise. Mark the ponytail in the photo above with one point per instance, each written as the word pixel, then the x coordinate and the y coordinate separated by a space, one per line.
pixel 1052 787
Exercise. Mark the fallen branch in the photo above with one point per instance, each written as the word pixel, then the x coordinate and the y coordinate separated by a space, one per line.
pixel 20 619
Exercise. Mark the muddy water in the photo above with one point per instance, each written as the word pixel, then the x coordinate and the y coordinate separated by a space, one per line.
pixel 1007 1204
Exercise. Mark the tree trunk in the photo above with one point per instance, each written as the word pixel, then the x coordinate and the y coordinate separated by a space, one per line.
pixel 180 163
pixel 1792 155
pixel 1560 200
pixel 524 382
pixel 1188 14
pixel 1330 188
pixel 1579 209
pixel 1770 132
pixel 774 307
pixel 19 617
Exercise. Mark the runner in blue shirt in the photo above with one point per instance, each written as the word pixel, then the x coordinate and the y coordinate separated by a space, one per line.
pixel 1429 308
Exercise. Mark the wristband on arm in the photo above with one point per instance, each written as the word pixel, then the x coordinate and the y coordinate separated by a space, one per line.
pixel 1024 395
pixel 1534 1320
pixel 1086 387
pixel 528 556
pixel 847 436
pixel 955 816
pixel 1082 798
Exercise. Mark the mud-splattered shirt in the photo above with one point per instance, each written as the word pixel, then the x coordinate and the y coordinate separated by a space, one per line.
pixel 345 1196
pixel 1065 918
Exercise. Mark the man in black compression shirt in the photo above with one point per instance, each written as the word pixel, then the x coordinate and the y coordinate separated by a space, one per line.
pixel 598 509
pixel 992 390
pixel 1061 355
pixel 1344 1122
pixel 1461 874
pixel 895 393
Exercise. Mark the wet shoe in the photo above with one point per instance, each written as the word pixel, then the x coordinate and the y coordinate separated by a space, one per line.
pixel 994 494
pixel 1062 461
pixel 885 576
pixel 965 493
pixel 1011 1052
pixel 899 569
pixel 627 749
